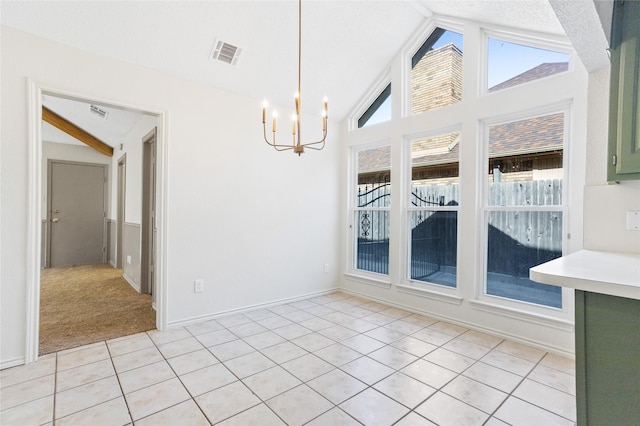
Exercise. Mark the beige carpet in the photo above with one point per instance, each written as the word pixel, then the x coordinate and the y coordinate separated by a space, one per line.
pixel 87 304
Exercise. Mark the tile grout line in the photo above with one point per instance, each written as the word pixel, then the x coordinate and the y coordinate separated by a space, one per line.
pixel 302 382
pixel 55 389
pixel 238 379
pixel 529 402
pixel 191 397
pixel 276 363
pixel 126 403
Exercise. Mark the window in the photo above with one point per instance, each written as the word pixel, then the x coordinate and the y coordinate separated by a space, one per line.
pixel 379 111
pixel 436 72
pixel 480 184
pixel 371 213
pixel 511 64
pixel 524 206
pixel 433 209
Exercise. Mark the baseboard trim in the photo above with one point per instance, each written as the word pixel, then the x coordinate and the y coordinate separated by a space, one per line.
pixel 202 318
pixel 13 362
pixel 131 282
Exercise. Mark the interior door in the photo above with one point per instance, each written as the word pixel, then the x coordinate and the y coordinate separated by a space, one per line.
pixel 122 186
pixel 147 255
pixel 76 213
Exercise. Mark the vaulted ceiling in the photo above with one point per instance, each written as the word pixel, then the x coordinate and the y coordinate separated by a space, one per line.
pixel 346 45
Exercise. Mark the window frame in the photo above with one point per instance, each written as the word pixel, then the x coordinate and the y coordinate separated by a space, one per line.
pixel 441 290
pixel 367 277
pixel 412 48
pixel 546 43
pixel 376 90
pixel 494 302
pixel 566 88
pixel 374 107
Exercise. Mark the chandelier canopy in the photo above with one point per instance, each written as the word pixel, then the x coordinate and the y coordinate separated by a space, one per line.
pixel 296 145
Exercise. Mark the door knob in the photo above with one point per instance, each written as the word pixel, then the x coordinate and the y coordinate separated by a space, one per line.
pixel 54 220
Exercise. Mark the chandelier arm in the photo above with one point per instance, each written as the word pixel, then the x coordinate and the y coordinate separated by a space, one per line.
pixel 264 131
pixel 321 141
pixel 276 146
pixel 310 146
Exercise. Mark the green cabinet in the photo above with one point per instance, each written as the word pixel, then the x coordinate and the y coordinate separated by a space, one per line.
pixel 624 108
pixel 607 359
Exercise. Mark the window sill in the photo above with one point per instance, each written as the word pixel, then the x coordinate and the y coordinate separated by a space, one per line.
pixel 366 279
pixel 531 317
pixel 430 294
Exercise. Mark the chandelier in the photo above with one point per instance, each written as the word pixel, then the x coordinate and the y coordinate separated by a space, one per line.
pixel 296 145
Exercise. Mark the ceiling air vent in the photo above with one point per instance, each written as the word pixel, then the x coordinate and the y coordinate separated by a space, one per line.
pixel 99 111
pixel 226 52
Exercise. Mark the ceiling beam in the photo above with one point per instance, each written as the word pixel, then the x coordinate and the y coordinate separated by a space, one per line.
pixel 75 131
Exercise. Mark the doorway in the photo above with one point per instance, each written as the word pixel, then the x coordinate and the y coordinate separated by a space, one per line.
pixel 36 196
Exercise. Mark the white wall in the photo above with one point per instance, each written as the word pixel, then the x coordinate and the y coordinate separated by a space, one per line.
pixel 256 225
pixel 605 205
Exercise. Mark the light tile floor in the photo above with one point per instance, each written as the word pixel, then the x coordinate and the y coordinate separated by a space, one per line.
pixel 329 360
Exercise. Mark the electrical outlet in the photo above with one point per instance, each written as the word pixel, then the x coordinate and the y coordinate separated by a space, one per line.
pixel 198 286
pixel 633 220
pixel 326 267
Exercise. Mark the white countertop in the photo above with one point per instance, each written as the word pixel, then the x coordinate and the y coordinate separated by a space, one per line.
pixel 615 274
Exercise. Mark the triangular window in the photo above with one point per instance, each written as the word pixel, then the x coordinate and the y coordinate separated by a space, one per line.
pixel 511 64
pixel 379 111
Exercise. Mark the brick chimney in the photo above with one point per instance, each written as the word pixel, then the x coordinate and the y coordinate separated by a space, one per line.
pixel 436 80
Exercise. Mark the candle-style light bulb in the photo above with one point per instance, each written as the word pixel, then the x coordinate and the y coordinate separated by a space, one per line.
pixel 325 105
pixel 293 123
pixel 264 111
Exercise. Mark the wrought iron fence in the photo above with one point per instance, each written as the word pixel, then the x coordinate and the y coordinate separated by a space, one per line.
pixel 373 227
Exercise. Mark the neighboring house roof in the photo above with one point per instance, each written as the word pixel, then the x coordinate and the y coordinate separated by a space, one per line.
pixel 538 134
pixel 374 159
pixel 541 71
